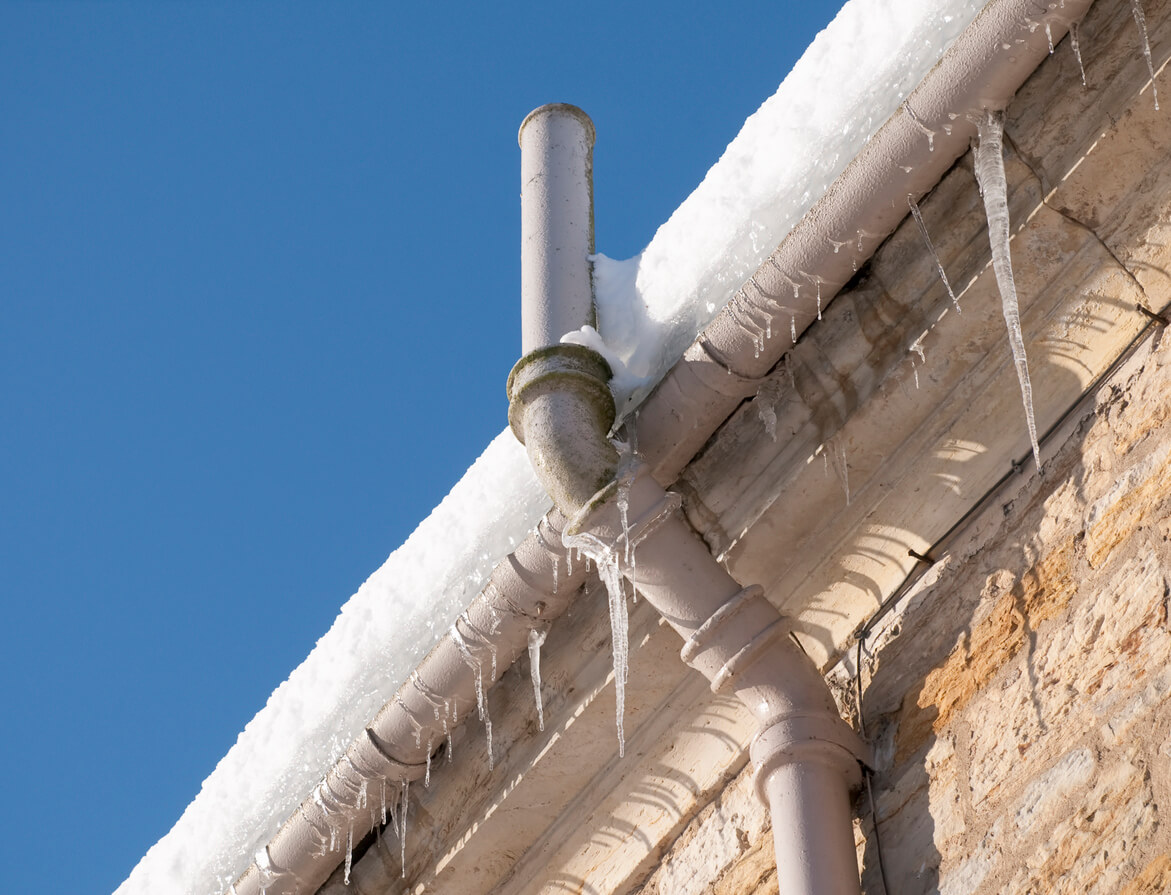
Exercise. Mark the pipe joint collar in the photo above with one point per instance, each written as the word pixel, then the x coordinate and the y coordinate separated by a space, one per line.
pixel 370 758
pixel 818 738
pixel 560 368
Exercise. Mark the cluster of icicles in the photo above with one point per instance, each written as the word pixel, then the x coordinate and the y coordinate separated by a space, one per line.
pixel 476 648
pixel 614 563
pixel 990 176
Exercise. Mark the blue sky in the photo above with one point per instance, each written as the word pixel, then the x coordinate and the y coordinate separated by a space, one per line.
pixel 260 294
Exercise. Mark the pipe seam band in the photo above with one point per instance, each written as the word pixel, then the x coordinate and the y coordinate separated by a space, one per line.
pixel 748 653
pixel 741 384
pixel 392 768
pixel 729 610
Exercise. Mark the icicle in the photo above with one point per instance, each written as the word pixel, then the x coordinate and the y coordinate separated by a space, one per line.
pixel 384 803
pixel 488 737
pixel 536 641
pixel 930 134
pixel 362 793
pixel 1141 20
pixel 607 564
pixel 447 733
pixel 556 566
pixel 626 470
pixel 840 466
pixel 349 854
pixel 994 187
pixel 478 674
pixel 569 563
pixel 931 248
pixel 1077 50
pixel 793 329
pixel 819 298
pixel 418 728
pixel 1049 37
pixel 915 371
pixel 484 638
pixel 403 834
pixel 427 773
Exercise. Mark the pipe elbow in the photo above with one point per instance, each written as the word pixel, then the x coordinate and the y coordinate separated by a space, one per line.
pixel 561 410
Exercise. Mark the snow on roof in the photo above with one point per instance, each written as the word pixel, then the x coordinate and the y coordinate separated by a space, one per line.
pixel 850 80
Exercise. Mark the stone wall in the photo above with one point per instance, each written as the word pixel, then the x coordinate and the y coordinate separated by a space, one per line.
pixel 1019 695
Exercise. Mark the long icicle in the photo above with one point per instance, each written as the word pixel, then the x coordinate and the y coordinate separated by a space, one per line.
pixel 994 186
pixel 607 562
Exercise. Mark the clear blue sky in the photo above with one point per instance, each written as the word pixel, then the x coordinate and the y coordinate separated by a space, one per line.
pixel 259 278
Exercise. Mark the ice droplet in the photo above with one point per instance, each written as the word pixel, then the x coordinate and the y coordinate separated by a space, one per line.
pixel 994 186
pixel 536 641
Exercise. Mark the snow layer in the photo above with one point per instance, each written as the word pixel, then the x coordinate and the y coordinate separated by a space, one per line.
pixel 850 80
pixel 381 634
pixel 846 85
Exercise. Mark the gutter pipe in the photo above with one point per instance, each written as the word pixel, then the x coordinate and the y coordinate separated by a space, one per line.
pixel 807 757
pixel 982 69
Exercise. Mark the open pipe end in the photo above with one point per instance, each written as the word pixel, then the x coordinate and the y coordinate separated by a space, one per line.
pixel 559 109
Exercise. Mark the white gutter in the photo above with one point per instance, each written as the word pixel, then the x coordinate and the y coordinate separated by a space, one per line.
pixel 982 69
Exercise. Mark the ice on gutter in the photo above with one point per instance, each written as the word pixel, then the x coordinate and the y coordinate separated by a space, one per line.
pixel 849 82
pixel 380 636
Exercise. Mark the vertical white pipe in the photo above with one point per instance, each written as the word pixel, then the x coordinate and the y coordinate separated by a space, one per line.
pixel 813 831
pixel 557 224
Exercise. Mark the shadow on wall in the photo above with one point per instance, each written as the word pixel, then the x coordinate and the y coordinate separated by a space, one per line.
pixel 1019 696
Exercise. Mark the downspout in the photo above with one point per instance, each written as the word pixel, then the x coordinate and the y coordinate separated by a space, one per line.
pixel 982 69
pixel 806 756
